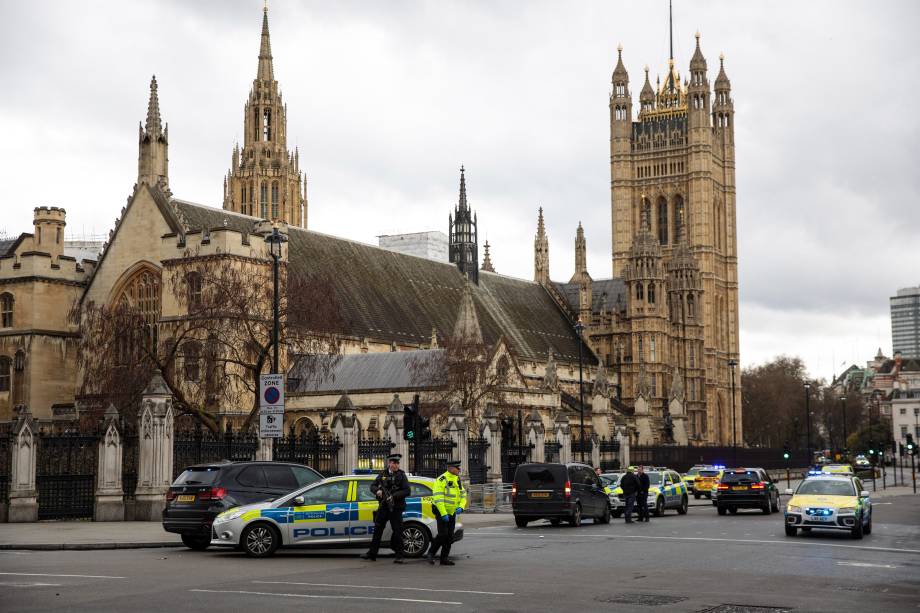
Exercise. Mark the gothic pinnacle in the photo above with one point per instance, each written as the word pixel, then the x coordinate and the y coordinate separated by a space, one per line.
pixel 153 126
pixel 462 204
pixel 265 51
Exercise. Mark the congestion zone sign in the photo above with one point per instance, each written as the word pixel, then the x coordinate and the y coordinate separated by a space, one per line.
pixel 271 406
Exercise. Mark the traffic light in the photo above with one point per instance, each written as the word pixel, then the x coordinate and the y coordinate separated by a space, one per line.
pixel 911 447
pixel 424 428
pixel 410 421
pixel 786 454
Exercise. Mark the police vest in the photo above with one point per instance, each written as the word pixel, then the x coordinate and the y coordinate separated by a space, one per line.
pixel 449 494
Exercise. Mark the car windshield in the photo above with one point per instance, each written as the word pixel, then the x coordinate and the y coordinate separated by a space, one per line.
pixel 611 480
pixel 197 476
pixel 738 477
pixel 826 487
pixel 693 472
pixel 654 478
pixel 709 473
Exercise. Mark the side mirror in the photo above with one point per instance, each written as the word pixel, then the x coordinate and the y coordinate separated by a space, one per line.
pixel 864 494
pixel 298 501
pixel 788 492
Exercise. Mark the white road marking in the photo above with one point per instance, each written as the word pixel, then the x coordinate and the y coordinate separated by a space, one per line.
pixel 867 565
pixel 16 553
pixel 48 575
pixel 28 584
pixel 388 587
pixel 718 540
pixel 874 504
pixel 327 596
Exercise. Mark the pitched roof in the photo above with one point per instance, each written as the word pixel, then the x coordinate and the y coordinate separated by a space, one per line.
pixel 604 294
pixel 396 297
pixel 367 371
pixel 5 246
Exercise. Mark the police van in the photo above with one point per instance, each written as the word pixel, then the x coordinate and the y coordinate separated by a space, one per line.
pixel 337 512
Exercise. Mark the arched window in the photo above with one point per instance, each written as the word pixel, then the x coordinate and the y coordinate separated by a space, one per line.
pixel 6 310
pixel 191 360
pixel 646 212
pixel 19 384
pixel 651 348
pixel 274 200
pixel 662 221
pixel 651 293
pixel 5 365
pixel 252 197
pixel 640 349
pixel 501 370
pixel 141 294
pixel 691 306
pixel 263 200
pixel 640 292
pixel 679 220
pixel 267 125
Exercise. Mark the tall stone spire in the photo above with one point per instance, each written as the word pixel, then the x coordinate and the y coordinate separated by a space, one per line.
pixel 487 259
pixel 463 235
pixel 581 276
pixel 153 145
pixel 541 252
pixel 581 249
pixel 265 180
pixel 265 72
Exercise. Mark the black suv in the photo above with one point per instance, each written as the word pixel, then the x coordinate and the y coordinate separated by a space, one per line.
pixel 747 488
pixel 201 492
pixel 556 492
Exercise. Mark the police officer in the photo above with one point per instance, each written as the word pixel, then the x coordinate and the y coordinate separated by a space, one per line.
pixel 629 484
pixel 391 487
pixel 448 501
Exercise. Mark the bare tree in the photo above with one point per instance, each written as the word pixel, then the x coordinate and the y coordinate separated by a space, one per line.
pixel 215 340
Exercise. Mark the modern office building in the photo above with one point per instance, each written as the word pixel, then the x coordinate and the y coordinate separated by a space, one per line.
pixel 905 322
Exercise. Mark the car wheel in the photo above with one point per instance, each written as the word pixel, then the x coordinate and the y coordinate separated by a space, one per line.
pixel 791 530
pixel 520 521
pixel 576 516
pixel 766 506
pixel 196 542
pixel 684 505
pixel 697 496
pixel 555 521
pixel 659 507
pixel 721 510
pixel 260 540
pixel 774 506
pixel 732 510
pixel 605 518
pixel 617 514
pixel 857 531
pixel 868 528
pixel 415 540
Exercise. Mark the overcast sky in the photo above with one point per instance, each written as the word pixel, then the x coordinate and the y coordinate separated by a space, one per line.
pixel 387 99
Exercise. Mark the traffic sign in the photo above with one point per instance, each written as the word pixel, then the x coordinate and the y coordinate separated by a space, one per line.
pixel 271 391
pixel 271 422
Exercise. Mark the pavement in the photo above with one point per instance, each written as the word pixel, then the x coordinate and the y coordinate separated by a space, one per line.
pixel 693 563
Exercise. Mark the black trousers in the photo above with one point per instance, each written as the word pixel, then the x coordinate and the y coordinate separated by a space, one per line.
pixel 642 505
pixel 445 536
pixel 630 503
pixel 383 516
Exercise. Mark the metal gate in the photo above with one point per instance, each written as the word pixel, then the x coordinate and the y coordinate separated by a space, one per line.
pixel 318 451
pixel 199 446
pixel 372 453
pixel 66 475
pixel 478 450
pixel 609 454
pixel 551 451
pixel 129 459
pixel 5 468
pixel 433 456
pixel 512 457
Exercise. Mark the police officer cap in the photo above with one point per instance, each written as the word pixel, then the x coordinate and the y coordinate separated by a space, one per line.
pixel 396 457
pixel 454 464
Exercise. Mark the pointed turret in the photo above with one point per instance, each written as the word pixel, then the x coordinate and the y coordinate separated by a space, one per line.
pixel 619 72
pixel 647 95
pixel 580 250
pixel 697 62
pixel 541 252
pixel 153 145
pixel 581 276
pixel 698 92
pixel 466 328
pixel 722 82
pixel 487 259
pixel 462 203
pixel 463 235
pixel 265 72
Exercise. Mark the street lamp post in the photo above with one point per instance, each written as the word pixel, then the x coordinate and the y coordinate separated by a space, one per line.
pixel 275 239
pixel 811 458
pixel 579 328
pixel 732 363
pixel 843 404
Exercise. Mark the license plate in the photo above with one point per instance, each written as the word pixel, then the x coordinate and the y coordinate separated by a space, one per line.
pixel 740 487
pixel 821 518
pixel 539 494
pixel 186 498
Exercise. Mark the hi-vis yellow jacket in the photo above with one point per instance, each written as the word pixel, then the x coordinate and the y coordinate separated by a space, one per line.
pixel 448 494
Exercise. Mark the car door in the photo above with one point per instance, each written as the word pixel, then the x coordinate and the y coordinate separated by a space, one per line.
pixel 324 517
pixel 280 479
pixel 363 508
pixel 601 501
pixel 251 485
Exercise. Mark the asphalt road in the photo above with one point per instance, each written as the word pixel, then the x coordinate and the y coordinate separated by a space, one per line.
pixel 697 562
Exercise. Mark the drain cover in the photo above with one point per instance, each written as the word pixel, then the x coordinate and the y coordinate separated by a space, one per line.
pixel 744 608
pixel 646 600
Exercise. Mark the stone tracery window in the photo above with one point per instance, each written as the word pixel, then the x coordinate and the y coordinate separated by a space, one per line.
pixel 141 294
pixel 5 364
pixel 6 310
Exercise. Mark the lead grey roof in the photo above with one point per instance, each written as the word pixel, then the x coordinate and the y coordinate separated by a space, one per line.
pixel 369 371
pixel 604 294
pixel 5 246
pixel 396 297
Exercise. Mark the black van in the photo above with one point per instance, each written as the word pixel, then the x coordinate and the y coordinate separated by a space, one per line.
pixel 558 492
pixel 200 492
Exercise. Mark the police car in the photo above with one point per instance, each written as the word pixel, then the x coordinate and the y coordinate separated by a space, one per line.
pixel 666 491
pixel 333 513
pixel 832 502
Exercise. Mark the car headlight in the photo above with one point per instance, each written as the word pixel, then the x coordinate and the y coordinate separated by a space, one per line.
pixel 230 515
pixel 846 510
pixel 793 509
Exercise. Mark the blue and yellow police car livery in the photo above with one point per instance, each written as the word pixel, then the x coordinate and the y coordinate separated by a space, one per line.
pixel 667 490
pixel 332 513
pixel 829 502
